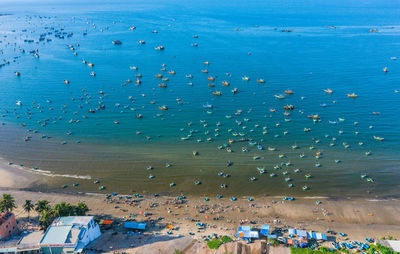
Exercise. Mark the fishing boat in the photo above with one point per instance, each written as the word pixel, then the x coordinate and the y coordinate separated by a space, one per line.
pixel 233 199
pixel 256 157
pixel 204 71
pixel 385 69
pixel 210 78
pixel 102 188
pixel 159 48
pixel 90 64
pixel 92 73
pixel 211 85
pixel 235 90
pixel 151 177
pixel 206 63
pixel 328 91
pixel 163 107
pixel 289 92
pixel 245 78
pixel 244 149
pixel 189 76
pixel 302 155
pixel 253 179
pixel 260 80
pixel 261 170
pixel 207 105
pixel 225 83
pixel 273 175
pixel 217 93
pixel 172 184
pixel 378 138
pixel 171 72
pixel 352 95
pixel 162 85
pixel 159 75
pixel 223 186
pixel 305 187
pixel 117 42
pixel 197 182
pixel 17 73
pixel 271 148
pixel 195 153
pixel 66 81
pixel 139 116
pixel 288 107
pixel 142 42
pixel 368 153
pixel 280 96
pixel 295 146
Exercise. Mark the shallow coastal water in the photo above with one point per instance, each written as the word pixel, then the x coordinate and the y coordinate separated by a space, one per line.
pixel 243 40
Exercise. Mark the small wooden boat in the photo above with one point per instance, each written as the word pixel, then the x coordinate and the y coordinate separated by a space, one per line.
pixel 328 91
pixel 163 107
pixel 378 138
pixel 352 95
pixel 288 107
pixel 66 81
pixel 162 85
pixel 225 83
pixel 245 78
pixel 206 63
pixel 217 93
pixel 171 72
pixel 289 92
pixel 260 80
pixel 210 78
pixel 159 48
pixel 159 76
pixel 204 71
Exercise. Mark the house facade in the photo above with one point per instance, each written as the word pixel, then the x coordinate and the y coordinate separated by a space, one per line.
pixel 8 225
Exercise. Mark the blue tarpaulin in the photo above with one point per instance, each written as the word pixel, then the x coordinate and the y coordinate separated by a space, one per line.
pixel 134 225
pixel 264 230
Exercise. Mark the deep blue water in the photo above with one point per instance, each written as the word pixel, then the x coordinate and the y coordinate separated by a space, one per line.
pixel 236 37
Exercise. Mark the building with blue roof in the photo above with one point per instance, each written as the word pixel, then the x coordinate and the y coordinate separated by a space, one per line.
pixel 70 234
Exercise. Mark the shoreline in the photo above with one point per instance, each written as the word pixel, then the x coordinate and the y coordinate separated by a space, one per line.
pixel 16 177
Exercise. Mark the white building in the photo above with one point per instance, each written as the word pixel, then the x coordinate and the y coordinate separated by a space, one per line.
pixel 69 235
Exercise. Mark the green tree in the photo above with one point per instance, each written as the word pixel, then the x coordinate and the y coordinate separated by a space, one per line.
pixel 7 203
pixel 63 209
pixel 46 219
pixel 41 206
pixel 28 207
pixel 81 209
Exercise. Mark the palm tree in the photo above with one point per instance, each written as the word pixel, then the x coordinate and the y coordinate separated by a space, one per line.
pixel 81 209
pixel 7 203
pixel 41 206
pixel 46 219
pixel 28 206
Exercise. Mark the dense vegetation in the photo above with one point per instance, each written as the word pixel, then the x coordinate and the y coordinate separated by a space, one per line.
pixel 215 243
pixel 381 249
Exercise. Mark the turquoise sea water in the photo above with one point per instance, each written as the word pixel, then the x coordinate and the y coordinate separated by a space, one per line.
pixel 329 45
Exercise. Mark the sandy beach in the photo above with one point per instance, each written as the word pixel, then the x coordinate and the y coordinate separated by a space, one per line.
pixel 357 218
